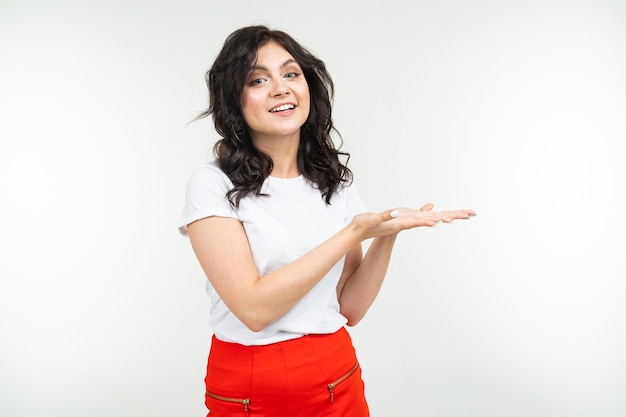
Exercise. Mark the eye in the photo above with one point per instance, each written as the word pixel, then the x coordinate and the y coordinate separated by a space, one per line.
pixel 257 81
pixel 291 75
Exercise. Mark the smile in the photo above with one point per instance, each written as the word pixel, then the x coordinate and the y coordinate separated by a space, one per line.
pixel 283 107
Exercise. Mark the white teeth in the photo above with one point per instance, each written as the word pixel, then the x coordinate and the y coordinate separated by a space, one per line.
pixel 282 108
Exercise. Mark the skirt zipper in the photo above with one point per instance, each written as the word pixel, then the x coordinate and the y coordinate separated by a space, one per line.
pixel 331 387
pixel 245 402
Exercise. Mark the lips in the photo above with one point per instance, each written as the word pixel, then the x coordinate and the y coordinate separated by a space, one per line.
pixel 283 107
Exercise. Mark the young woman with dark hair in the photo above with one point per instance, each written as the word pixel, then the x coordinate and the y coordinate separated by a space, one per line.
pixel 277 227
pixel 317 157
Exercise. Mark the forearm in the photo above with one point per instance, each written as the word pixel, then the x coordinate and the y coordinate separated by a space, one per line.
pixel 362 287
pixel 275 293
pixel 257 301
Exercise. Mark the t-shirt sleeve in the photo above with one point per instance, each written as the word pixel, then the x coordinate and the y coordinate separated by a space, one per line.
pixel 206 196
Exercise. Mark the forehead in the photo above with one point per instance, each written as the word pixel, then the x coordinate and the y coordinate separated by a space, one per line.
pixel 272 53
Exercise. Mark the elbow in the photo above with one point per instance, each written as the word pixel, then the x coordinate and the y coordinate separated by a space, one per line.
pixel 353 322
pixel 255 326
pixel 254 314
pixel 255 322
pixel 353 318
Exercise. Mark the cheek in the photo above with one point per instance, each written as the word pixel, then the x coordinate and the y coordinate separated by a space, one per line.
pixel 250 97
pixel 248 107
pixel 308 106
pixel 305 98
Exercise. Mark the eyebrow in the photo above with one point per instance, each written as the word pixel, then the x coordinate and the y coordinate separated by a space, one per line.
pixel 284 64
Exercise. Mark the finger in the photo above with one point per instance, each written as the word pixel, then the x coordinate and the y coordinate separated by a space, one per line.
pixel 469 213
pixel 458 214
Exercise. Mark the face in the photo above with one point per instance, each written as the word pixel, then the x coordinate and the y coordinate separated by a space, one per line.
pixel 275 99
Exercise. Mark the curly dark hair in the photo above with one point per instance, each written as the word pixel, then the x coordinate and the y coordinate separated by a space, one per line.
pixel 318 159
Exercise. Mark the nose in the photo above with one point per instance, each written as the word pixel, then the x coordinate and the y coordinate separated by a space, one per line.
pixel 279 88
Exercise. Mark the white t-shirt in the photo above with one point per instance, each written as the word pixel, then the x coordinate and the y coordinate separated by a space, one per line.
pixel 281 227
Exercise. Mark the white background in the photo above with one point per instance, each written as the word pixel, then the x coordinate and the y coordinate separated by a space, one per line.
pixel 516 109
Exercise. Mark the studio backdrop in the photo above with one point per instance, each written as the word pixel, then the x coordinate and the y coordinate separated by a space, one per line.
pixel 515 109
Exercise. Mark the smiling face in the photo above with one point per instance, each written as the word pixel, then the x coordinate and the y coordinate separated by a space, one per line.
pixel 275 100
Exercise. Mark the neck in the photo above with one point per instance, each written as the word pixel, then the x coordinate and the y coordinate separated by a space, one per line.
pixel 284 154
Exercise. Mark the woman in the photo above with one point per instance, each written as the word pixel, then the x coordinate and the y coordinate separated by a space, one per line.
pixel 277 227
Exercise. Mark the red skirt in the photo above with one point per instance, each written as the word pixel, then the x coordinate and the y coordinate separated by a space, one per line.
pixel 312 376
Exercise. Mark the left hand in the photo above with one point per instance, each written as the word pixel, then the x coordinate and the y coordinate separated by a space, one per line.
pixel 396 220
pixel 425 216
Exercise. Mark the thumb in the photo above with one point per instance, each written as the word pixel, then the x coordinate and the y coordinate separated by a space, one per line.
pixel 427 207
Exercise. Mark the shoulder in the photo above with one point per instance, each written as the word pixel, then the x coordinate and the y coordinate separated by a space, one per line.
pixel 209 174
pixel 209 170
pixel 206 195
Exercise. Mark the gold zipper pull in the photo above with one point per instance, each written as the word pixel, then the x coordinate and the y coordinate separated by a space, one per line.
pixel 246 403
pixel 331 387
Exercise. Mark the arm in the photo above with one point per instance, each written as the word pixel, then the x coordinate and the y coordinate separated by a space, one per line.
pixel 228 263
pixel 362 278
